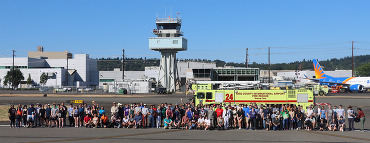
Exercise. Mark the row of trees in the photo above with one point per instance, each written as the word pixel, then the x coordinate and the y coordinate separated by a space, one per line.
pixel 139 64
pixel 14 78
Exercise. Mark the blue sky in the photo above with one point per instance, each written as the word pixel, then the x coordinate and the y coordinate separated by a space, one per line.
pixel 295 30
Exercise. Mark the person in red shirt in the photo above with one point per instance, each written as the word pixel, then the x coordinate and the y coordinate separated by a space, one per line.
pixel 361 115
pixel 169 112
pixel 219 111
pixel 87 121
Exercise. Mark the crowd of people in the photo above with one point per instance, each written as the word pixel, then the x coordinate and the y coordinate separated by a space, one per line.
pixel 188 116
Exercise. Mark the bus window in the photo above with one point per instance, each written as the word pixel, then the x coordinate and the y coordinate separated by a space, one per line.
pixel 209 95
pixel 200 95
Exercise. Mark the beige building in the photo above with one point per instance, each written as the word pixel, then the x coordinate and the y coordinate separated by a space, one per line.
pixel 40 54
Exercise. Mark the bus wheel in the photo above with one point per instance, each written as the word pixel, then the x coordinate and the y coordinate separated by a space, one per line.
pixel 321 93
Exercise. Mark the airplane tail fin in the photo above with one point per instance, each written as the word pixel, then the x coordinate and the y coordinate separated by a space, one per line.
pixel 319 72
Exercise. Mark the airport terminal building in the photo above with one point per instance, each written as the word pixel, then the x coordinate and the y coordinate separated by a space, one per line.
pixel 62 68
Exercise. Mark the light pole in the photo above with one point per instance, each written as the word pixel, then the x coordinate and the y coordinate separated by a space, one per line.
pixel 56 80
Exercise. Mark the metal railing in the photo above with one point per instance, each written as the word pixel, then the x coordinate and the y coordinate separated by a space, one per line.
pixel 168 19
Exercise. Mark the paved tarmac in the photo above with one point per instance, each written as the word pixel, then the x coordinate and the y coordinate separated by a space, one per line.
pixel 69 134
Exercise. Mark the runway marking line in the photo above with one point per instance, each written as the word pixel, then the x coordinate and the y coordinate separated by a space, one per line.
pixel 80 139
pixel 349 137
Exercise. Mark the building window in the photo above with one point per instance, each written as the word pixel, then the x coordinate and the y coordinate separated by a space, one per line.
pixel 175 41
pixel 209 95
pixel 200 95
pixel 106 80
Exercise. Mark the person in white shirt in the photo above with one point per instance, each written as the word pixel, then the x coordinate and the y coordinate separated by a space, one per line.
pixel 309 111
pixel 144 112
pixel 137 109
pixel 207 123
pixel 351 115
pixel 125 122
pixel 114 109
pixel 201 122
pixel 341 112
pixel 226 115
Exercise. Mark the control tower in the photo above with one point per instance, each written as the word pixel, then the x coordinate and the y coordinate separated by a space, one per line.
pixel 168 42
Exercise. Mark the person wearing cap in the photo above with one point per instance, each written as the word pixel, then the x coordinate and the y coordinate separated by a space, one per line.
pixel 252 118
pixel 226 115
pixel 120 112
pixel 114 108
pixel 276 123
pixel 144 112
pixel 341 124
pixel 362 117
pixel 169 112
pixel 167 122
pixel 351 118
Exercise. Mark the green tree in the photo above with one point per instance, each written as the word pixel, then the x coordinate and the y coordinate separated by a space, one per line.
pixel 29 80
pixel 14 81
pixel 364 70
pixel 43 79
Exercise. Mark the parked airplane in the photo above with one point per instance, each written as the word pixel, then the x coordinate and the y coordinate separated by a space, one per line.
pixel 349 83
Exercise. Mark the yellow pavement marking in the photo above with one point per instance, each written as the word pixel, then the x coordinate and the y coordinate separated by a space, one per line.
pixel 349 137
pixel 80 139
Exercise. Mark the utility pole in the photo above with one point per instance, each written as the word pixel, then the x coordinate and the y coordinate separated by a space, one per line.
pixel 123 64
pixel 352 59
pixel 67 72
pixel 246 58
pixel 269 65
pixel 13 81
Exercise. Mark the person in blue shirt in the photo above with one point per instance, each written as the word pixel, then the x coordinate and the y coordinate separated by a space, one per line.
pixel 81 111
pixel 70 115
pixel 322 114
pixel 252 118
pixel 137 120
pixel 246 112
pixel 48 115
pixel 151 113
pixel 101 111
pixel 30 115
pixel 167 123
